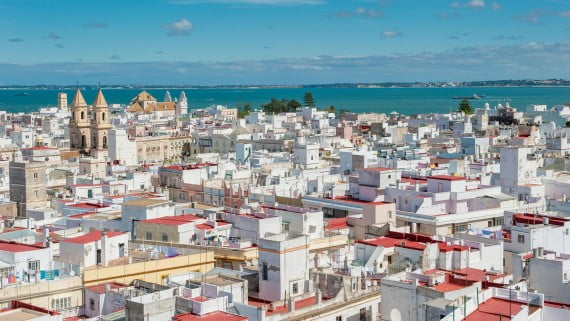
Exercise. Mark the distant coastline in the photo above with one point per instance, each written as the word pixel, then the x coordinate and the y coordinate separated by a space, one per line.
pixel 436 84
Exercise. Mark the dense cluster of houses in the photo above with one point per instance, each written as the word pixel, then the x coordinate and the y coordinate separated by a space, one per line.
pixel 149 211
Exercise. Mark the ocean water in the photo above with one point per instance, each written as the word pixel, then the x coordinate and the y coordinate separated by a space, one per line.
pixel 382 100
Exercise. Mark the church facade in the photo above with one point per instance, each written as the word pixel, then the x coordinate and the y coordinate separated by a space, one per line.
pixel 89 125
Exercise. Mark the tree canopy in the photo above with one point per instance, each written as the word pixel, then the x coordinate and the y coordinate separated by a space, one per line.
pixel 276 106
pixel 330 109
pixel 308 100
pixel 243 110
pixel 465 106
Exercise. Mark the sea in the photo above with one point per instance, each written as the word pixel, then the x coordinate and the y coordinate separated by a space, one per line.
pixel 406 101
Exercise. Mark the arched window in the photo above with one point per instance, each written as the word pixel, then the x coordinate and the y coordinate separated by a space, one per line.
pixel 104 140
pixel 82 140
pixel 103 117
pixel 82 115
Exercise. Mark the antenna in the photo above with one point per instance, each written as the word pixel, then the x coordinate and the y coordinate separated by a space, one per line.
pixel 99 85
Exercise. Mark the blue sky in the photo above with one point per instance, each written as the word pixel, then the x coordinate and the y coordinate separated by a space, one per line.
pixel 281 41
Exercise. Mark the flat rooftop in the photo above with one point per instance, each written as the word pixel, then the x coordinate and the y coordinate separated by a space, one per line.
pixel 20 314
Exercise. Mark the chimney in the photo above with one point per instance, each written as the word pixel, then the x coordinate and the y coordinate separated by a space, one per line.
pixel 107 287
pixel 540 251
pixel 104 248
pixel 545 220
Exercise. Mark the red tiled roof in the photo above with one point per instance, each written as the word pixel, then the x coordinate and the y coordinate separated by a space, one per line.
pixel 413 180
pixel 495 309
pixel 91 237
pixel 444 247
pixel 207 227
pixel 447 178
pixel 82 214
pixel 299 304
pixel 6 246
pixel 349 199
pixel 391 242
pixel 100 288
pixel 88 205
pixel 214 316
pixel 534 219
pixel 200 299
pixel 336 223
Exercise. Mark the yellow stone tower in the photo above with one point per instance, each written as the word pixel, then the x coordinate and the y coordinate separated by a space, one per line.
pixel 100 123
pixel 79 124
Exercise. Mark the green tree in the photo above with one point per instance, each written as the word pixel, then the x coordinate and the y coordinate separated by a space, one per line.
pixel 308 100
pixel 244 110
pixel 275 106
pixel 568 123
pixel 292 105
pixel 465 106
pixel 343 111
pixel 330 109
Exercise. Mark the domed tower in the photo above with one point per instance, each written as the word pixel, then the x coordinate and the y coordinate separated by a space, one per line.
pixel 100 123
pixel 182 105
pixel 79 125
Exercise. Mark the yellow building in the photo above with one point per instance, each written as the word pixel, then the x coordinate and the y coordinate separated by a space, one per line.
pixel 145 103
pixel 142 266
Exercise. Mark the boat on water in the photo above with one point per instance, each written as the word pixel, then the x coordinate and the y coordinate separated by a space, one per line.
pixel 475 96
pixel 21 94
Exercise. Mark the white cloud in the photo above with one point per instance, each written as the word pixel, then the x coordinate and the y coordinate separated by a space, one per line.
pixel 390 34
pixel 476 4
pixel 181 27
pixel 517 61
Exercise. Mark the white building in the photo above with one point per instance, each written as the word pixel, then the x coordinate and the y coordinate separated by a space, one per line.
pixel 94 248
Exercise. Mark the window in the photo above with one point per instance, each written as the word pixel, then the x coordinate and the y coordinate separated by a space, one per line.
pixel 264 272
pixel 61 303
pixel 149 235
pixel 121 249
pixel 36 193
pixel 520 238
pixel 338 318
pixel 164 237
pixel 363 314
pixel 34 265
pixel 82 115
pixel 295 288
pixel 91 304
pixel 461 227
pixel 36 176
